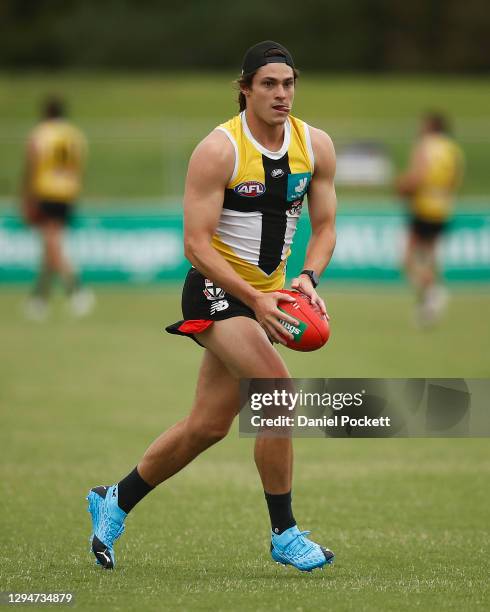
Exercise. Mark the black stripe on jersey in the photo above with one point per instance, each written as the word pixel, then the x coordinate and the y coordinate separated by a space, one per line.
pixel 273 205
pixel 274 218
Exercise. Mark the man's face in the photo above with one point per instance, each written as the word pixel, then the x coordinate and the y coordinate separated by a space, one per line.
pixel 271 95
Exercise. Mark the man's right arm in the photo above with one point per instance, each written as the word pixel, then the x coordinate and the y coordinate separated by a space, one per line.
pixel 210 168
pixel 410 180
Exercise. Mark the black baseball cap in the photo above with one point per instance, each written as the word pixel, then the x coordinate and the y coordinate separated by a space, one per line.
pixel 257 56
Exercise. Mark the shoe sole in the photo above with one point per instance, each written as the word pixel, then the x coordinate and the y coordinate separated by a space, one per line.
pixel 280 560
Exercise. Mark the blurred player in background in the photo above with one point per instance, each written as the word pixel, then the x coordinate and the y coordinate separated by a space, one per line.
pixel 244 191
pixel 429 185
pixel 52 180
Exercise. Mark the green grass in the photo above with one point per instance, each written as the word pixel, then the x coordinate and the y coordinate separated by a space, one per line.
pixel 408 519
pixel 142 128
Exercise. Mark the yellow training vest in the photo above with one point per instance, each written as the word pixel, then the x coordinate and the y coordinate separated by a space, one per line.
pixel 433 200
pixel 59 157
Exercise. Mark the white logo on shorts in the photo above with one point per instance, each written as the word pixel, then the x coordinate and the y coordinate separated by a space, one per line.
pixel 219 306
pixel 211 291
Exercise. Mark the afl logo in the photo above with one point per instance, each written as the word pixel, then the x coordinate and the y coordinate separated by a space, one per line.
pixel 250 189
pixel 277 173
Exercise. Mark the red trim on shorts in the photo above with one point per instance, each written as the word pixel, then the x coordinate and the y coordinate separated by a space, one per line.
pixel 195 326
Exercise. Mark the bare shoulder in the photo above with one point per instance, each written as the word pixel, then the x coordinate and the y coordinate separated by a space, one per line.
pixel 323 150
pixel 215 152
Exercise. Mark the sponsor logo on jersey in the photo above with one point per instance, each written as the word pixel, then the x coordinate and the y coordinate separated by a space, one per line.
pixel 250 189
pixel 295 209
pixel 211 291
pixel 298 185
pixel 277 173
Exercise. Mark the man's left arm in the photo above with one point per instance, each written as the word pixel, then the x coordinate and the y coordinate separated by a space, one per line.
pixel 322 205
pixel 27 201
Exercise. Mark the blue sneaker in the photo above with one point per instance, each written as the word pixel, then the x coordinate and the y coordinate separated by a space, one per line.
pixel 107 523
pixel 291 547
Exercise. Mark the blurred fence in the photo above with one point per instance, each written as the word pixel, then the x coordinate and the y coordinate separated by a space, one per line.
pixel 136 159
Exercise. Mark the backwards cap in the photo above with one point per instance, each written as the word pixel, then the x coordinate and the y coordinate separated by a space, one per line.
pixel 256 56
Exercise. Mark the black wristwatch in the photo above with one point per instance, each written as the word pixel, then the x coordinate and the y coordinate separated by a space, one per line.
pixel 312 275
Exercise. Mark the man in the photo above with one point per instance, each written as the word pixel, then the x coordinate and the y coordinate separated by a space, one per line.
pixel 244 190
pixel 51 183
pixel 429 184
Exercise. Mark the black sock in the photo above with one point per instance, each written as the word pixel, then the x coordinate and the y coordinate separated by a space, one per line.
pixel 131 490
pixel 280 511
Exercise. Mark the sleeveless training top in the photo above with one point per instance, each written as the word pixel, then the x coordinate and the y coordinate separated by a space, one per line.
pixel 263 201
pixel 60 151
pixel 444 166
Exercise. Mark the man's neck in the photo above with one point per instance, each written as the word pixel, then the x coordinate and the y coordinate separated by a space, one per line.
pixel 270 137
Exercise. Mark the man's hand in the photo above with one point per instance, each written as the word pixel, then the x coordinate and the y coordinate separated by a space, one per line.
pixel 303 284
pixel 268 315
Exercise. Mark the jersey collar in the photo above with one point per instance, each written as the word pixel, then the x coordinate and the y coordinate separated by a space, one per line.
pixel 271 154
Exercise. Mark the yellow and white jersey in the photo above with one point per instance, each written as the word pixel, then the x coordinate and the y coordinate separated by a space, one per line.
pixel 263 201
pixel 433 200
pixel 59 152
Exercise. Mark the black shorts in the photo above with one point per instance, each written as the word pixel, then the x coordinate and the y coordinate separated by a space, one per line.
pixel 203 303
pixel 427 230
pixel 59 211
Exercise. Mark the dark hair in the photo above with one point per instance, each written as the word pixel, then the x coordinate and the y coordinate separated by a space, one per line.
pixel 437 122
pixel 53 108
pixel 245 80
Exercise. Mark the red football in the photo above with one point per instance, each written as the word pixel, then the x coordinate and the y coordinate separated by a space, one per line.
pixel 313 330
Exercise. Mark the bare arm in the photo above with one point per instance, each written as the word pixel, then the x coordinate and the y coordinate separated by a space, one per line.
pixel 210 168
pixel 408 182
pixel 28 203
pixel 322 205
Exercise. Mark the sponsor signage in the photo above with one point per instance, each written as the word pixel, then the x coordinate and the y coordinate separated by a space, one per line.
pixel 141 248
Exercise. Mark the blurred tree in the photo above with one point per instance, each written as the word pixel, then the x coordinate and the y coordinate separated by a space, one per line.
pixel 352 35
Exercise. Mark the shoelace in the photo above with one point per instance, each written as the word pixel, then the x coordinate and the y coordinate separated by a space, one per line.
pixel 300 545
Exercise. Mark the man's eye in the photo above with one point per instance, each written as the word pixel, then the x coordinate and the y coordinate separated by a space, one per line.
pixel 268 83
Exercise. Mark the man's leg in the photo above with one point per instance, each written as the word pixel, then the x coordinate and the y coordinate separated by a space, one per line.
pixel 248 353
pixel 413 261
pixel 36 306
pixel 215 406
pixel 82 300
pixel 58 262
pixel 243 345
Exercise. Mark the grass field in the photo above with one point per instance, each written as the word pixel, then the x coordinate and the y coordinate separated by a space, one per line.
pixel 142 128
pixel 407 518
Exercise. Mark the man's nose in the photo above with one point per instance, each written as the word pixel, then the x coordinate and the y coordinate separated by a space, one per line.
pixel 280 91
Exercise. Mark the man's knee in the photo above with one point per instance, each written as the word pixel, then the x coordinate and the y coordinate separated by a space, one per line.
pixel 206 433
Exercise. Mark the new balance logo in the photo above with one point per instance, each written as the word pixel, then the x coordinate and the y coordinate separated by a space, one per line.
pixel 219 306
